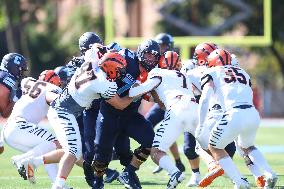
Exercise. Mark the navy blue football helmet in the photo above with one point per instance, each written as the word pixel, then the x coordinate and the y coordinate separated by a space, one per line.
pixel 166 41
pixel 63 73
pixel 15 64
pixel 152 47
pixel 87 40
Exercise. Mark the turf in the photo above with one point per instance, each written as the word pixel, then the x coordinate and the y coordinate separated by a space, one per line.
pixel 9 178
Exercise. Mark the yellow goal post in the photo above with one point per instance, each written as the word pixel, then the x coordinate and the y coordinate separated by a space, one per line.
pixel 186 42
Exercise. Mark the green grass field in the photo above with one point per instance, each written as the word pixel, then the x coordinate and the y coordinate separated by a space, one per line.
pixel 9 178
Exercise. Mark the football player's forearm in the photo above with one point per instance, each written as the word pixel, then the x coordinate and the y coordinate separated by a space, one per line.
pixel 139 89
pixel 8 110
pixel 120 103
pixel 50 97
pixel 204 103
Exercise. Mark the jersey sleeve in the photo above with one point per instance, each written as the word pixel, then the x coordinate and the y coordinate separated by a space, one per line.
pixel 155 73
pixel 206 78
pixel 9 81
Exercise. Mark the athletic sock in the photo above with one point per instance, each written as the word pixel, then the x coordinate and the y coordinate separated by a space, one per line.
pixel 38 161
pixel 230 169
pixel 258 159
pixel 167 164
pixel 51 170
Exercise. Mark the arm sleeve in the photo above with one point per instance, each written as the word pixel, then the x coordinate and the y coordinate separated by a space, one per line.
pixel 207 92
pixel 145 87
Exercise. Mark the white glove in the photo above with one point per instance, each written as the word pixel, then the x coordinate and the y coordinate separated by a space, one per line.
pixel 110 90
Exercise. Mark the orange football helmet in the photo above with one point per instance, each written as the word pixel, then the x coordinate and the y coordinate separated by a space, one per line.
pixel 50 76
pixel 170 61
pixel 219 57
pixel 113 64
pixel 202 51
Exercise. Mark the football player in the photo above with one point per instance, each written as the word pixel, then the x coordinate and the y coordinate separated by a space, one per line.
pixel 215 113
pixel 22 131
pixel 232 86
pixel 178 101
pixel 87 120
pixel 12 68
pixel 88 83
pixel 156 114
pixel 119 115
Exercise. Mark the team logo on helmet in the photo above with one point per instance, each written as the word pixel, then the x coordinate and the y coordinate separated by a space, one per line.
pixel 15 64
pixel 219 57
pixel 170 61
pixel 114 65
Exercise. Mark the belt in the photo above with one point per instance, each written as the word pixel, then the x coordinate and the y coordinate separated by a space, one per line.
pixel 244 106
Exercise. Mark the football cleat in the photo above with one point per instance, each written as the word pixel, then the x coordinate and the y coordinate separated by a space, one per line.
pixel 111 175
pixel 211 176
pixel 30 170
pixel 242 185
pixel 157 170
pixel 99 183
pixel 129 179
pixel 16 160
pixel 271 181
pixel 194 180
pixel 260 181
pixel 175 179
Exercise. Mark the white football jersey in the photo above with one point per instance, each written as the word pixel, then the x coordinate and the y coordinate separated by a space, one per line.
pixel 173 84
pixel 32 106
pixel 195 75
pixel 232 85
pixel 86 84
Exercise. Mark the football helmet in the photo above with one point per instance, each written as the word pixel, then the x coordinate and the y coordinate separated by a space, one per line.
pixel 166 42
pixel 15 64
pixel 87 40
pixel 219 57
pixel 170 61
pixel 114 65
pixel 64 74
pixel 50 76
pixel 202 51
pixel 148 54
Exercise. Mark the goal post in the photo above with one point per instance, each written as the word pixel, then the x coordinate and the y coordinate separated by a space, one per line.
pixel 186 42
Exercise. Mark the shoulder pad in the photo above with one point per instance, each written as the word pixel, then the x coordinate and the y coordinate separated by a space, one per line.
pixel 156 72
pixel 9 81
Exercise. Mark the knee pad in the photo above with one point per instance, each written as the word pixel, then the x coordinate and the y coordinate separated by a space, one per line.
pixel 231 149
pixel 99 167
pixel 190 153
pixel 141 153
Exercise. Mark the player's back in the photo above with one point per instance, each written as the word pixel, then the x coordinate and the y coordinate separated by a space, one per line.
pixel 195 75
pixel 233 85
pixel 173 84
pixel 32 105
